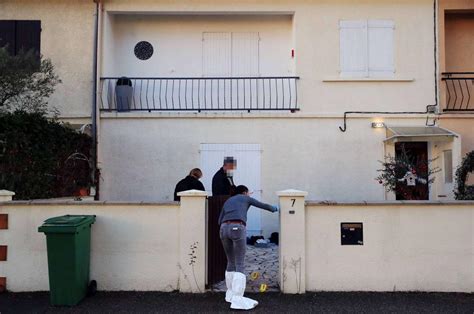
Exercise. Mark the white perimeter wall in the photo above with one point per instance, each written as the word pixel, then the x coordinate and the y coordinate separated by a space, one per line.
pixel 134 247
pixel 407 247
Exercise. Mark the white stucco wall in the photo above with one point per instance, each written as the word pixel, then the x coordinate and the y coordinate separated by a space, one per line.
pixel 143 159
pixel 134 247
pixel 177 43
pixel 67 39
pixel 407 247
pixel 315 38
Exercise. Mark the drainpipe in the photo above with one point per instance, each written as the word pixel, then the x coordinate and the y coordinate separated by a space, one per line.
pixel 94 102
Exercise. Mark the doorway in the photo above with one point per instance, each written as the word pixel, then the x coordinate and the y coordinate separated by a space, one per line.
pixel 415 154
pixel 247 172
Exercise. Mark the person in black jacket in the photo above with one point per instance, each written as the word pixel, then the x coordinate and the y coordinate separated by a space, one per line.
pixel 223 182
pixel 191 182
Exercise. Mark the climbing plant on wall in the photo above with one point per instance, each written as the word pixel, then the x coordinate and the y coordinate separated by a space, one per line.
pixel 464 191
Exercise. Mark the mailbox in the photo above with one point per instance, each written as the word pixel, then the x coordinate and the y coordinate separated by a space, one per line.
pixel 352 233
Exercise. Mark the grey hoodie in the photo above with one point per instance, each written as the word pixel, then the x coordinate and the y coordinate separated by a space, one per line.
pixel 236 207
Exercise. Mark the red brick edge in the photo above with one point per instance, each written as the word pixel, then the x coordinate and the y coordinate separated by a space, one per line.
pixel 3 251
pixel 3 221
pixel 3 284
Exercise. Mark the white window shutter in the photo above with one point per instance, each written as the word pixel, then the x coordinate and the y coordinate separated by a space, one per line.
pixel 245 54
pixel 380 49
pixel 353 48
pixel 216 54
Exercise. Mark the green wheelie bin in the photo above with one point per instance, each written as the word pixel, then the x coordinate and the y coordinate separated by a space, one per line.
pixel 68 240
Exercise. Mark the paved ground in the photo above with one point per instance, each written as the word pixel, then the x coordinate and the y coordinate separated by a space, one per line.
pixel 334 302
pixel 264 262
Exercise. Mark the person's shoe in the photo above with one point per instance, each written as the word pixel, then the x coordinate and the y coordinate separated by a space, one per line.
pixel 238 301
pixel 229 276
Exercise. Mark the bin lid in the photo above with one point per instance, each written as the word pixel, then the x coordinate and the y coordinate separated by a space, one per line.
pixel 66 223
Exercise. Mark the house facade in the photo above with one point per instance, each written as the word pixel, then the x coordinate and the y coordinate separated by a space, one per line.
pixel 307 94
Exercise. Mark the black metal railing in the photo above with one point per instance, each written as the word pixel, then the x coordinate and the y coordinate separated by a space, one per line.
pixel 459 88
pixel 198 94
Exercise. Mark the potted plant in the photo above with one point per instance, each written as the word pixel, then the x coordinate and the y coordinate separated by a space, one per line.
pixel 404 175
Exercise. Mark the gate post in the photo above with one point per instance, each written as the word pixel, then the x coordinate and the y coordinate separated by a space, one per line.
pixel 6 196
pixel 292 241
pixel 192 241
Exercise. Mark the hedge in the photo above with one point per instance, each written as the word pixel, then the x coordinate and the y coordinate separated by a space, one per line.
pixel 37 156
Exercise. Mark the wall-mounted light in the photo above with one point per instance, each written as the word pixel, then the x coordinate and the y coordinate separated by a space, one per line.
pixel 378 125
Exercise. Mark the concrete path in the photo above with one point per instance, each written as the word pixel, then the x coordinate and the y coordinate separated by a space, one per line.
pixel 154 302
pixel 264 262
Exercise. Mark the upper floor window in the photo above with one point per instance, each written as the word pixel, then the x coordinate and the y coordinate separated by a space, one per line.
pixel 366 48
pixel 20 36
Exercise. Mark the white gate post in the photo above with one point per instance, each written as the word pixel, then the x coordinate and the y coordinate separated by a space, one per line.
pixel 192 241
pixel 6 196
pixel 292 241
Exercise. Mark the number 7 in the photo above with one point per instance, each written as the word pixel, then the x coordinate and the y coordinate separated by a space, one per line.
pixel 293 200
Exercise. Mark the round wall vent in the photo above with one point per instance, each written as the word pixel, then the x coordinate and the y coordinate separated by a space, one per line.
pixel 143 50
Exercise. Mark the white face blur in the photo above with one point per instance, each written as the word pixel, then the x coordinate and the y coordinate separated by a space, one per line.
pixel 229 169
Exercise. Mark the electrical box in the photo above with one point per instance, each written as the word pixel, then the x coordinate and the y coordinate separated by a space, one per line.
pixel 352 233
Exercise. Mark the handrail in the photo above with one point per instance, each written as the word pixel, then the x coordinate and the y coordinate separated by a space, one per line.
pixel 248 93
pixel 459 90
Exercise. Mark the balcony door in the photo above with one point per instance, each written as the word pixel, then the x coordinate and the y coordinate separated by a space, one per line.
pixel 230 54
pixel 248 158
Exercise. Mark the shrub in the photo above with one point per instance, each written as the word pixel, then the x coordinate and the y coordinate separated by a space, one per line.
pixel 41 158
pixel 464 191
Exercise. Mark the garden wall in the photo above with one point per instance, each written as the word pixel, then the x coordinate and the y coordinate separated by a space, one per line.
pixel 135 246
pixel 405 246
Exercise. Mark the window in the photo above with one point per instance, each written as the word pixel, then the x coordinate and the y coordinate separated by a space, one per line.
pixel 20 35
pixel 448 166
pixel 366 48
pixel 231 54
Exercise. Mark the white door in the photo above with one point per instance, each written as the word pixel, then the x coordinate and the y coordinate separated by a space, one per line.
pixel 247 173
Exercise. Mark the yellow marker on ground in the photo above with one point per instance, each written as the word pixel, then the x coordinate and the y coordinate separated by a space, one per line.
pixel 254 275
pixel 263 287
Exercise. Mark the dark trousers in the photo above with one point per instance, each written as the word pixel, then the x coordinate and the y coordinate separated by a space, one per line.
pixel 234 241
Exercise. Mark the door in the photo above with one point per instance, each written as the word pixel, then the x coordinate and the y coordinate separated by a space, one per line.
pixel 416 154
pixel 248 158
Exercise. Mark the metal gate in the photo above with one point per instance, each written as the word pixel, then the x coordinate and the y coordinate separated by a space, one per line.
pixel 217 261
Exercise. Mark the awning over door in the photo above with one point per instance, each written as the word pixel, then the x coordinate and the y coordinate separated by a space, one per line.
pixel 418 134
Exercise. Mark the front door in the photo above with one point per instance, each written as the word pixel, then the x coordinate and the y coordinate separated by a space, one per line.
pixel 247 173
pixel 416 153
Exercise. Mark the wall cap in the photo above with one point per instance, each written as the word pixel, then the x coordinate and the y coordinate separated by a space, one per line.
pixel 291 192
pixel 87 203
pixel 6 193
pixel 388 203
pixel 193 193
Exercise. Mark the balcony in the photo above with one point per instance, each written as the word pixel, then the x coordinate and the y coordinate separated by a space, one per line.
pixel 459 91
pixel 273 93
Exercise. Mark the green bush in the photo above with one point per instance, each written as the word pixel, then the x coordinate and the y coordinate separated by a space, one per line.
pixel 464 191
pixel 41 158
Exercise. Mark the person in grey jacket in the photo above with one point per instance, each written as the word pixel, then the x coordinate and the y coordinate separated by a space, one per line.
pixel 233 234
